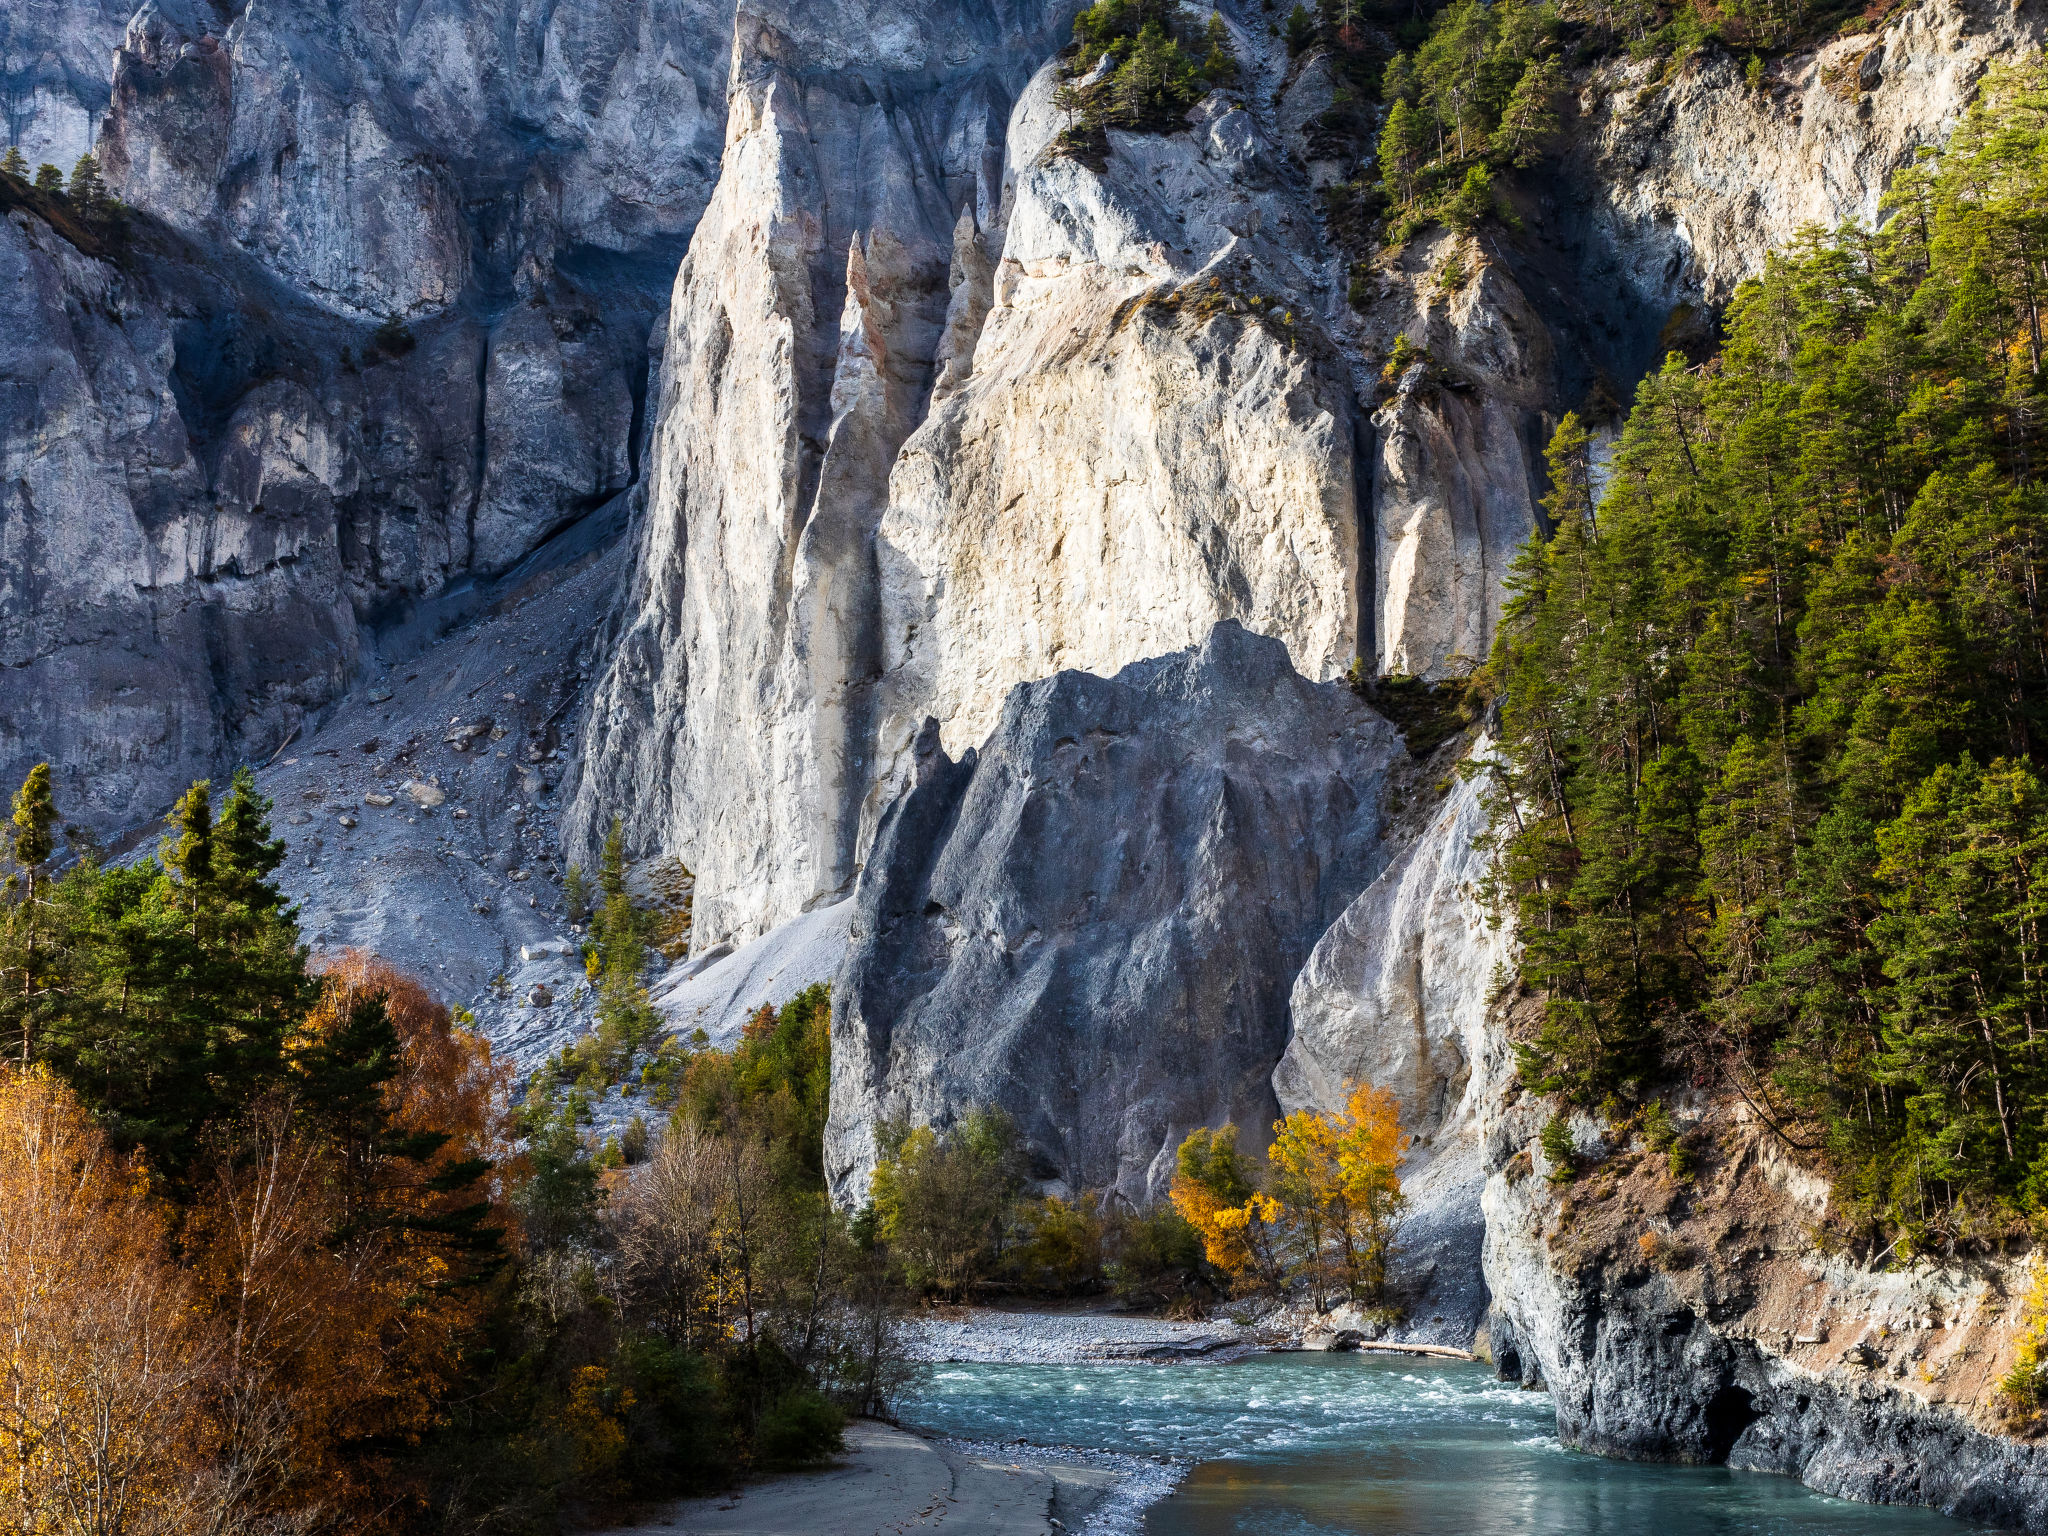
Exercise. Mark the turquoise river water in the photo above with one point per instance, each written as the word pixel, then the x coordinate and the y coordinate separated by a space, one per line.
pixel 1308 1444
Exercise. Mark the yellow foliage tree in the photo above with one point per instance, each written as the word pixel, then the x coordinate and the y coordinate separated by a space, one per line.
pixel 1213 1188
pixel 103 1368
pixel 2025 1387
pixel 1338 1180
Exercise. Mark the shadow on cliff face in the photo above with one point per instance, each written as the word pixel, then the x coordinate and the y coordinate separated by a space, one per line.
pixel 1729 1412
pixel 1607 332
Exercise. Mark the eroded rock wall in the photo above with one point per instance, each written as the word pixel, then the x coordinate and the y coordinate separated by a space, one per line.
pixel 1092 920
pixel 224 489
pixel 1695 1320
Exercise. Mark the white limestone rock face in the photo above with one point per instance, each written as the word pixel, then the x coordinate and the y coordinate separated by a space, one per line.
pixel 1120 470
pixel 1686 183
pixel 988 432
pixel 1459 438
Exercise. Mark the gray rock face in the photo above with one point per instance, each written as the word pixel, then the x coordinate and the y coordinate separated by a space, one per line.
pixel 1093 920
pixel 222 493
pixel 209 526
pixel 377 157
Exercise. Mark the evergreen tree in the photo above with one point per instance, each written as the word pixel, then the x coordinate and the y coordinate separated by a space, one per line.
pixel 87 192
pixel 1301 31
pixel 13 164
pixel 185 976
pixel 29 949
pixel 49 180
pixel 1529 116
pixel 1219 65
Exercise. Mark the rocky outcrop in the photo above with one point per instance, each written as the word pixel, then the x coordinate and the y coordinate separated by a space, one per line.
pixel 1697 1321
pixel 1092 921
pixel 1144 393
pixel 1683 180
pixel 804 330
pixel 836 550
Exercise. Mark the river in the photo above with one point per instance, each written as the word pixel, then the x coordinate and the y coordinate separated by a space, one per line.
pixel 1308 1444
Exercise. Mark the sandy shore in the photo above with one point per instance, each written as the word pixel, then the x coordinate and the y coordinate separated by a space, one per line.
pixel 892 1482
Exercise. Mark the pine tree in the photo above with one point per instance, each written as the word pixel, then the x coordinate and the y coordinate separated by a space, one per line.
pixel 1529 116
pixel 1301 31
pixel 1219 67
pixel 13 164
pixel 87 192
pixel 49 180
pixel 1402 150
pixel 1740 810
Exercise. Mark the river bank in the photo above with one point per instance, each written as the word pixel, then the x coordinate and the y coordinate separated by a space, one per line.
pixel 893 1481
pixel 1054 1422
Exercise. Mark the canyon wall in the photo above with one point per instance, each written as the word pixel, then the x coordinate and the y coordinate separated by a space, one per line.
pixel 1697 1320
pixel 997 523
pixel 375 331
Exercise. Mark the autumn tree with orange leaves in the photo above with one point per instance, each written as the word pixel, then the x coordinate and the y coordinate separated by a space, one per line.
pixel 342 1236
pixel 104 1366
pixel 1324 1210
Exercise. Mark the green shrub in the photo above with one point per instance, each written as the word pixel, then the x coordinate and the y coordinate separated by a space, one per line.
pixel 1301 31
pixel 1157 1256
pixel 800 1430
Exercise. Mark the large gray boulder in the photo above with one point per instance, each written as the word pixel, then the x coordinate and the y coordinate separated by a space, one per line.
pixel 1094 921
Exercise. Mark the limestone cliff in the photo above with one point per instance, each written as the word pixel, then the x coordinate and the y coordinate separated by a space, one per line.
pixel 734 727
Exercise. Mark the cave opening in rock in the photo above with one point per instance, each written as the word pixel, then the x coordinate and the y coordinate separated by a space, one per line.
pixel 1729 1412
pixel 1509 1364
